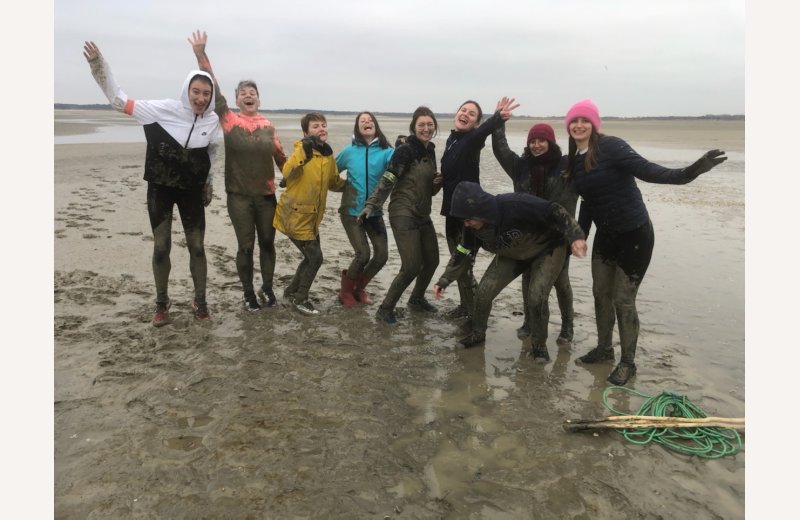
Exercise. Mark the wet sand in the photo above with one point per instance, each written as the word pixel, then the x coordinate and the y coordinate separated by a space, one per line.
pixel 275 415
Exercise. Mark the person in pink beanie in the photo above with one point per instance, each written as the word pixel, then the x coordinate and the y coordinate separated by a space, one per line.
pixel 604 170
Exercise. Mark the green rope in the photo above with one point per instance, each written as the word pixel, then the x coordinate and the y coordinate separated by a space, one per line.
pixel 706 442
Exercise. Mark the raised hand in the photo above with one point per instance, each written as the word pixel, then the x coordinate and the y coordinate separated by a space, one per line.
pixel 505 106
pixel 198 42
pixel 91 51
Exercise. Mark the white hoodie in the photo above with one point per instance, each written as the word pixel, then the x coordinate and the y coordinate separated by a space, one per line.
pixel 174 116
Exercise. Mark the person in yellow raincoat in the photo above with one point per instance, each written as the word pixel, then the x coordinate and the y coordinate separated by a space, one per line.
pixel 309 173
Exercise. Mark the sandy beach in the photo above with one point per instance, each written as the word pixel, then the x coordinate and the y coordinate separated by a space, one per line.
pixel 277 415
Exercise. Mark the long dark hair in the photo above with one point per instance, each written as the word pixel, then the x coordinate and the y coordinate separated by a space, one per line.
pixel 539 167
pixel 592 154
pixel 378 132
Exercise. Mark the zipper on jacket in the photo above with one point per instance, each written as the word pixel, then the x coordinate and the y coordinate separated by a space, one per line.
pixel 190 132
pixel 366 174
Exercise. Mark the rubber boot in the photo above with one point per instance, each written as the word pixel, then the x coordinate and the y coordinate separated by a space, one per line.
pixel 346 292
pixel 358 290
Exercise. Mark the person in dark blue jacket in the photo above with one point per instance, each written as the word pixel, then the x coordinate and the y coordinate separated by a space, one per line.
pixel 538 171
pixel 461 162
pixel 526 233
pixel 604 170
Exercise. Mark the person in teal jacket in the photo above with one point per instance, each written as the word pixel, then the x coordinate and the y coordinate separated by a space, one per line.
pixel 365 160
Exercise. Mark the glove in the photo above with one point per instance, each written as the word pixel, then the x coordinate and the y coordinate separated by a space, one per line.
pixel 282 184
pixel 308 147
pixel 208 193
pixel 709 159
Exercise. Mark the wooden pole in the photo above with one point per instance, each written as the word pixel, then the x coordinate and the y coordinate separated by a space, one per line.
pixel 631 422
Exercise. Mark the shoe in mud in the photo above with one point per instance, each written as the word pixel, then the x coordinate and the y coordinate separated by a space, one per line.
pixel 566 334
pixel 305 308
pixel 387 316
pixel 523 332
pixel 597 355
pixel 457 313
pixel 268 297
pixel 622 373
pixel 251 302
pixel 540 354
pixel 161 316
pixel 472 339
pixel 200 310
pixel 288 295
pixel 421 304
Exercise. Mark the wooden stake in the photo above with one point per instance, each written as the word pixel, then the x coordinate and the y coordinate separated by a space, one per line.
pixel 631 422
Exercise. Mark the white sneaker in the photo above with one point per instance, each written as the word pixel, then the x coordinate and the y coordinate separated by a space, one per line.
pixel 305 308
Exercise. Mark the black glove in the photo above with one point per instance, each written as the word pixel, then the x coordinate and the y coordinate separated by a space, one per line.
pixel 282 184
pixel 308 147
pixel 709 159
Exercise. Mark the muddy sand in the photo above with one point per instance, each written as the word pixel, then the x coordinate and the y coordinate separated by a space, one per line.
pixel 276 415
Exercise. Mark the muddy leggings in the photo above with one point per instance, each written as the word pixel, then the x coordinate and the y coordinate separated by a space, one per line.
pixel 251 217
pixel 619 263
pixel 563 289
pixel 502 271
pixel 453 229
pixel 160 203
pixel 307 270
pixel 360 235
pixel 419 256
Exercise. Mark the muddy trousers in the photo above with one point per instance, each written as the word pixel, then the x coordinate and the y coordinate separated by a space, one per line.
pixel 373 230
pixel 454 228
pixel 502 270
pixel 307 270
pixel 563 289
pixel 160 203
pixel 619 263
pixel 251 217
pixel 419 257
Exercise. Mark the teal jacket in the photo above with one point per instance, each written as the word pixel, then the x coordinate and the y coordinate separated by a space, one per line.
pixel 365 164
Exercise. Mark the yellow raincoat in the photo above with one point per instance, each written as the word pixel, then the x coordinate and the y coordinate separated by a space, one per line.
pixel 302 205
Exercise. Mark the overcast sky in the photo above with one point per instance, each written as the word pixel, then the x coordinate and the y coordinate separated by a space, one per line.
pixel 632 57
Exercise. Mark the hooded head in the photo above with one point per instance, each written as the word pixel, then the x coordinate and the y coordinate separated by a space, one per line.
pixel 471 202
pixel 198 92
pixel 586 109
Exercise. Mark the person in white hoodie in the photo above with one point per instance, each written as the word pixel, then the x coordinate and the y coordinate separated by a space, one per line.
pixel 181 137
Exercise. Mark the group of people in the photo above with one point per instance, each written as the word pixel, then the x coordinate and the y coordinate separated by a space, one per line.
pixel 532 232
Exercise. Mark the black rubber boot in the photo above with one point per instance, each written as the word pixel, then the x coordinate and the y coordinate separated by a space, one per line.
pixel 421 304
pixel 386 315
pixel 597 355
pixel 622 373
pixel 539 353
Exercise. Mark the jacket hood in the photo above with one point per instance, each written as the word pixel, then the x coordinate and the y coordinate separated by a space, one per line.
pixel 185 91
pixel 471 202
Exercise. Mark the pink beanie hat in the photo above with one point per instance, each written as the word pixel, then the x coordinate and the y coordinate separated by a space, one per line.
pixel 584 108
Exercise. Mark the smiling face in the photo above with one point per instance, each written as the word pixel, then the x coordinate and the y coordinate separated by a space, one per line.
pixel 538 146
pixel 200 90
pixel 580 129
pixel 319 129
pixel 366 127
pixel 467 117
pixel 247 100
pixel 424 128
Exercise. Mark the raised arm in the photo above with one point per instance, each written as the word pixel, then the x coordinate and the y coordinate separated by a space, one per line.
pixel 198 42
pixel 502 152
pixel 101 72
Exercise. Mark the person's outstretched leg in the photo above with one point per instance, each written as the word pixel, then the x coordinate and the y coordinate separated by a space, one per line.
pixel 193 218
pixel 564 296
pixel 160 202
